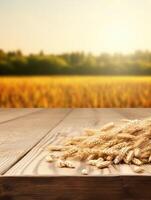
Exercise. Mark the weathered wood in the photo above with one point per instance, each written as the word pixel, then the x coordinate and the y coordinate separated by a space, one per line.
pixel 134 113
pixel 81 188
pixel 34 162
pixel 9 114
pixel 75 188
pixel 19 136
pixel 117 182
pixel 136 188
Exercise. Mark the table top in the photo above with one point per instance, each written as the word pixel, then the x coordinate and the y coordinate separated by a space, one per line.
pixel 26 133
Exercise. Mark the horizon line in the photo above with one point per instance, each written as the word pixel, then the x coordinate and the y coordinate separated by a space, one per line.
pixel 77 51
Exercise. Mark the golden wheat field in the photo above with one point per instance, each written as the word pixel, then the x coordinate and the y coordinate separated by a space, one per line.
pixel 68 91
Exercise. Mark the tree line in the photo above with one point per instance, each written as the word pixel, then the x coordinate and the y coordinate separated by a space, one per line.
pixel 77 63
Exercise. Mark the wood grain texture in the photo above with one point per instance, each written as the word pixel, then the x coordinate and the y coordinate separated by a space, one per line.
pixel 19 136
pixel 9 114
pixel 76 188
pixel 60 188
pixel 33 179
pixel 34 162
pixel 134 113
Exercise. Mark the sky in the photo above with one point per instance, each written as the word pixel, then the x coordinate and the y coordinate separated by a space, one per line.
pixel 57 26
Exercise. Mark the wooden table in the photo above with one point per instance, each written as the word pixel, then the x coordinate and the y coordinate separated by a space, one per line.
pixel 24 174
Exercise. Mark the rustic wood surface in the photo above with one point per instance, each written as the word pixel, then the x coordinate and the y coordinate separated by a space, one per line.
pixel 20 135
pixel 75 188
pixel 9 114
pixel 24 137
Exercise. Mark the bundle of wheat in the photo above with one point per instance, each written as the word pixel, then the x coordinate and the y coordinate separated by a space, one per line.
pixel 127 142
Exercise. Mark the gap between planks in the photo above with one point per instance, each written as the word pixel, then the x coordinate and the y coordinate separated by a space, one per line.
pixel 11 114
pixel 34 162
pixel 37 143
pixel 25 125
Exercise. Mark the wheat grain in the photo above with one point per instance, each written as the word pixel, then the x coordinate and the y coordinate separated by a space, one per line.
pixel 92 162
pixel 107 126
pixel 109 158
pixel 89 132
pixel 103 164
pixel 118 159
pixel 91 157
pixel 137 152
pixel 129 143
pixel 149 159
pixel 136 161
pixel 55 148
pixel 64 163
pixel 70 152
pixel 126 120
pixel 125 136
pixel 84 171
pixel 129 156
pixel 138 169
pixel 49 158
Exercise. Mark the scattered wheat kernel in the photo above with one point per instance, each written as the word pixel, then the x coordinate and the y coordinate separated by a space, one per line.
pixel 137 152
pixel 144 160
pixel 126 143
pixel 138 169
pixel 69 164
pixel 136 161
pixel 49 158
pixel 100 159
pixel 129 156
pixel 92 162
pixel 145 154
pixel 60 163
pixel 91 157
pixel 109 158
pixel 103 164
pixel 55 148
pixel 117 159
pixel 149 159
pixel 84 171
pixel 64 163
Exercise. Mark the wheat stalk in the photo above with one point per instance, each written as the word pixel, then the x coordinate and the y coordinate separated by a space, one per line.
pixel 128 143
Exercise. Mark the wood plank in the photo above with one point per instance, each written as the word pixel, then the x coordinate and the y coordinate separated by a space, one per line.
pixel 14 113
pixel 34 162
pixel 113 183
pixel 54 188
pixel 19 136
pixel 81 188
pixel 134 113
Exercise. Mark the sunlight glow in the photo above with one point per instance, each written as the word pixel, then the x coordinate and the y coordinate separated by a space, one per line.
pixel 57 26
pixel 119 37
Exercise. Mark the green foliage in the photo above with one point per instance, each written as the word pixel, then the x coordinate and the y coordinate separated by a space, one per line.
pixel 15 63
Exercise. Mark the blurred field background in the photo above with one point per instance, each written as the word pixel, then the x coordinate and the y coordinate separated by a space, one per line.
pixel 75 80
pixel 73 53
pixel 77 91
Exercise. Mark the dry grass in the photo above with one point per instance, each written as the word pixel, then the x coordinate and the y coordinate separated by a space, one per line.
pixel 75 91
